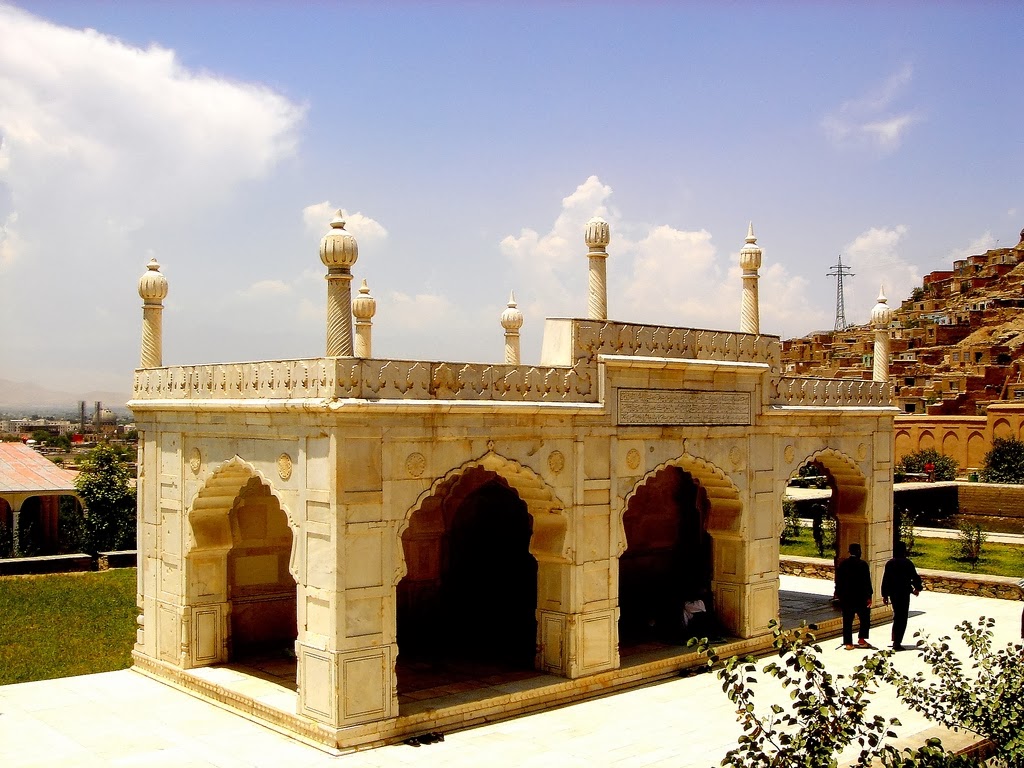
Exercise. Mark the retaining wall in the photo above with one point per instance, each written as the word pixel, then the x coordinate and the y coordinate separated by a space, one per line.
pixel 951 582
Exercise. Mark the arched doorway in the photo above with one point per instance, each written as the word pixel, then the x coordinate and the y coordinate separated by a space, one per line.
pixel 667 559
pixel 261 591
pixel 240 586
pixel 467 604
pixel 808 506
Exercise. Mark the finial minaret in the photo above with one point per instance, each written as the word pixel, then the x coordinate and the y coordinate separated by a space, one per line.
pixel 153 291
pixel 512 321
pixel 597 237
pixel 881 316
pixel 750 262
pixel 338 252
pixel 363 307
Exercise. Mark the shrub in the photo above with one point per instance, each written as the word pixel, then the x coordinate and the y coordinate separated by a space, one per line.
pixel 908 529
pixel 791 525
pixel 946 467
pixel 985 697
pixel 828 712
pixel 969 543
pixel 1004 463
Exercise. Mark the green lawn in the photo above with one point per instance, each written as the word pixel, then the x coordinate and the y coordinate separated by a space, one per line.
pixel 66 624
pixel 940 554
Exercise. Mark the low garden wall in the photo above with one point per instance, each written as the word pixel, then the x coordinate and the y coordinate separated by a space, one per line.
pixel 73 563
pixel 982 585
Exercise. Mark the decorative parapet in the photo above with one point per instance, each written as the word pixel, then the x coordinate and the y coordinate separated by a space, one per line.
pixel 593 338
pixel 353 378
pixel 825 393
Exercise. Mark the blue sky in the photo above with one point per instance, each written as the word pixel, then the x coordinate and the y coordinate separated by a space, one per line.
pixel 468 143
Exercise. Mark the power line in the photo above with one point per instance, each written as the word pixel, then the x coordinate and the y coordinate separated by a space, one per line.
pixel 839 271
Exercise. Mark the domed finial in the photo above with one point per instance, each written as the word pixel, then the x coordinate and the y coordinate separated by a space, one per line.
pixel 363 308
pixel 512 321
pixel 597 234
pixel 338 249
pixel 750 254
pixel 512 318
pixel 364 305
pixel 881 313
pixel 152 284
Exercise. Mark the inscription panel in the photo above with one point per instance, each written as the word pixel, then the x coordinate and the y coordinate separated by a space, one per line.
pixel 683 407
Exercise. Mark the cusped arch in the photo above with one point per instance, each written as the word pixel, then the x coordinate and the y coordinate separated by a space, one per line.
pixel 722 494
pixel 549 542
pixel 843 468
pixel 209 514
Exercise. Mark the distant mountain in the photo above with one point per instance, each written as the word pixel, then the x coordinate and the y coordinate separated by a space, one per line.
pixel 21 396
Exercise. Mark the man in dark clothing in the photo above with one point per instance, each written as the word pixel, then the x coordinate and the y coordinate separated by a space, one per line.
pixel 854 590
pixel 899 581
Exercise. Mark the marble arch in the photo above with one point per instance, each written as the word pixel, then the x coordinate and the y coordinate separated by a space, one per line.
pixel 849 500
pixel 549 542
pixel 722 494
pixel 206 552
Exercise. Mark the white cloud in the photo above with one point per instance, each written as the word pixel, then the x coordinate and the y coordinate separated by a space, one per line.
pixel 656 273
pixel 262 289
pixel 874 257
pixel 8 241
pixel 108 150
pixel 872 119
pixel 548 267
pixel 133 126
pixel 977 246
pixel 317 218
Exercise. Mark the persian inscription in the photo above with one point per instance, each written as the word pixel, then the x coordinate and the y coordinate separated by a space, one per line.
pixel 683 407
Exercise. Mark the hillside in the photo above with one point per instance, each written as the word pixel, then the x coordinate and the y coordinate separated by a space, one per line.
pixel 957 341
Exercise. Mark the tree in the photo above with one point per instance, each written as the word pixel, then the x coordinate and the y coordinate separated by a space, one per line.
pixel 987 699
pixel 104 485
pixel 1004 463
pixel 946 467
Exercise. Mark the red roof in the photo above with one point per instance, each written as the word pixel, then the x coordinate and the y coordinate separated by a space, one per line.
pixel 23 470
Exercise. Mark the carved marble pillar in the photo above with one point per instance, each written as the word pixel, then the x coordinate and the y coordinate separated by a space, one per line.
pixel 364 308
pixel 597 237
pixel 512 321
pixel 750 262
pixel 339 251
pixel 152 290
pixel 881 316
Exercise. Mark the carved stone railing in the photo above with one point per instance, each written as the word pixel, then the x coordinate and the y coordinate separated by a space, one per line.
pixel 330 378
pixel 597 337
pixel 789 390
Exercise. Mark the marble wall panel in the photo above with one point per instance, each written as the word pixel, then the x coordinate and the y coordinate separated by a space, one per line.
pixel 318 469
pixel 598 642
pixel 366 685
pixel 363 556
pixel 318 684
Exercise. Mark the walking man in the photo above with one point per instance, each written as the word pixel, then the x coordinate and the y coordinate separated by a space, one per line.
pixel 854 590
pixel 899 582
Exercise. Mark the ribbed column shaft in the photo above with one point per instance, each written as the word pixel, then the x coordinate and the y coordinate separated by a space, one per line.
pixel 512 348
pixel 597 297
pixel 339 313
pixel 881 355
pixel 750 321
pixel 364 346
pixel 151 354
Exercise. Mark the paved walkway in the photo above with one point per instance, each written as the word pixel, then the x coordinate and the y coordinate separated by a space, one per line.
pixel 126 719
